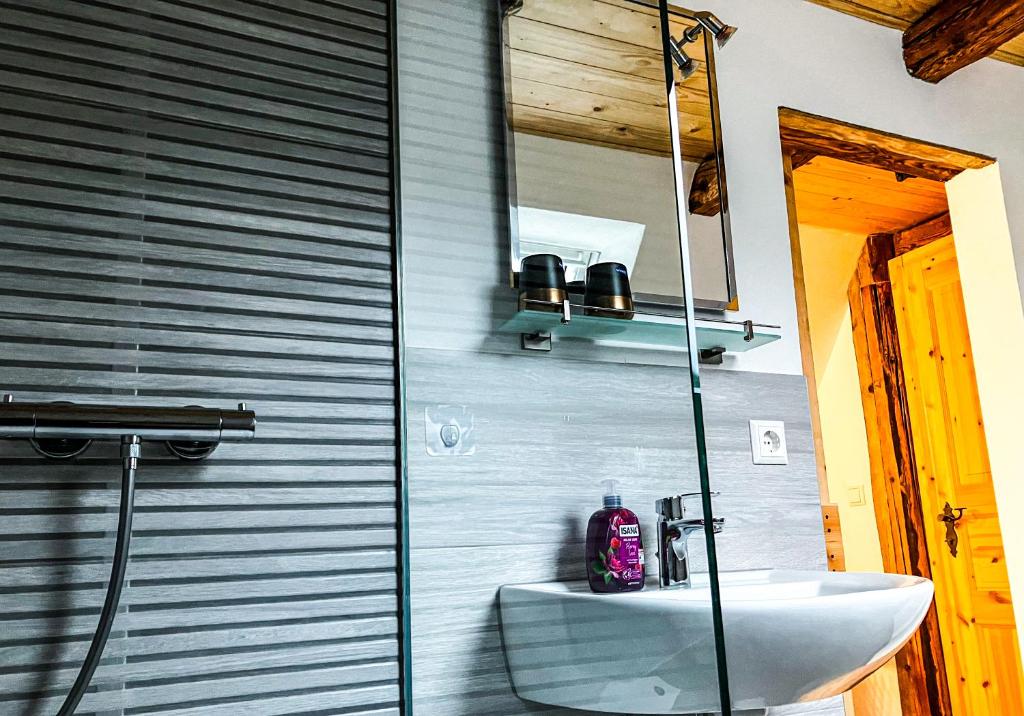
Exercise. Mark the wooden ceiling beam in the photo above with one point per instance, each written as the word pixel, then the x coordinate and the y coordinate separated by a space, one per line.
pixel 869 155
pixel 956 33
pixel 705 198
pixel 801 157
pixel 901 14
pixel 820 136
pixel 922 234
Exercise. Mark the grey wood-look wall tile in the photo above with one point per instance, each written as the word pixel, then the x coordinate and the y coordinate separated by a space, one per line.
pixel 516 510
pixel 195 208
pixel 547 427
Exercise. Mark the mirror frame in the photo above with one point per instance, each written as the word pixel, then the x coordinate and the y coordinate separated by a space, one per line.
pixel 654 302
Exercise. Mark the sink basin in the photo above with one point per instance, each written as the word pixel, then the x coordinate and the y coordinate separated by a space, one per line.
pixel 790 636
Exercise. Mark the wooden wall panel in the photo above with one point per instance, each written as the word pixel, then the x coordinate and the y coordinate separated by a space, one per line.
pixel 195 208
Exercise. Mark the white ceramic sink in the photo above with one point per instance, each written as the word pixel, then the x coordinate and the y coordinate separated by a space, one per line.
pixel 790 636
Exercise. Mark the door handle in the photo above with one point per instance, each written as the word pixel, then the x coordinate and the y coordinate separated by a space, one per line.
pixel 951 520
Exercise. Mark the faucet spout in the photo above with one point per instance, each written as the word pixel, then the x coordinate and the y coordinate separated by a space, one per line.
pixel 699 523
pixel 674 530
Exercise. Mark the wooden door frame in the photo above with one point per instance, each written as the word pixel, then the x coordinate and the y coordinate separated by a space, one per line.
pixel 895 490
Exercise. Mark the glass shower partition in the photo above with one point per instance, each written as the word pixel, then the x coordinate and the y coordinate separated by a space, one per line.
pixel 518 406
pixel 685 73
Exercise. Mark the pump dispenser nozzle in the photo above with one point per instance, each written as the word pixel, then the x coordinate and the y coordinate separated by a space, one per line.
pixel 612 498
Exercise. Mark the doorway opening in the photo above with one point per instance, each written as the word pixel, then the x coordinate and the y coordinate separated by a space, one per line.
pixel 889 260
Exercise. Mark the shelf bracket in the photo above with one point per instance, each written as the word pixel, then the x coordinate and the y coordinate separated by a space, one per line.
pixel 711 356
pixel 539 341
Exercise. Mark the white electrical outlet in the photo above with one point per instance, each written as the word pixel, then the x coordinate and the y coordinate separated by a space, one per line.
pixel 768 442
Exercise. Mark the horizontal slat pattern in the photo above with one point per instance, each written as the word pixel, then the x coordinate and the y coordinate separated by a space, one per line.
pixel 195 207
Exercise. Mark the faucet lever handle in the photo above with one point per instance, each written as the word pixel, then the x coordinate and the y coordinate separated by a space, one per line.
pixel 689 495
pixel 674 508
pixel 695 496
pixel 669 508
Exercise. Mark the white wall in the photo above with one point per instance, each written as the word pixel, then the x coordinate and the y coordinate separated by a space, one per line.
pixel 795 54
pixel 830 259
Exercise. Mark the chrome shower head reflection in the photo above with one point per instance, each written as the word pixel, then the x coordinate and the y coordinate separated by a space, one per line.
pixel 687 65
pixel 721 32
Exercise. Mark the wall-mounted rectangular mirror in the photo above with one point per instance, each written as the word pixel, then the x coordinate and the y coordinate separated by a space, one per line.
pixel 589 153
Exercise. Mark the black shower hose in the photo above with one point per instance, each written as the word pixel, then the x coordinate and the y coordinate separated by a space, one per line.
pixel 130 462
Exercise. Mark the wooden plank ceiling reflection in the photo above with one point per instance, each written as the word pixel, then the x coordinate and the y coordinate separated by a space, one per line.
pixel 851 197
pixel 592 71
pixel 900 14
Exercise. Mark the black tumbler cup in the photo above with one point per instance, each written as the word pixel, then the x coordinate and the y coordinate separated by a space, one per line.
pixel 608 293
pixel 542 279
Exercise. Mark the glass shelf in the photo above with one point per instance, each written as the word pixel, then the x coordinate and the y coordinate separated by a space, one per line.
pixel 540 319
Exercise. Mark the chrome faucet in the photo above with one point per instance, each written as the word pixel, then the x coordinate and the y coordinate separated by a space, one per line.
pixel 674 530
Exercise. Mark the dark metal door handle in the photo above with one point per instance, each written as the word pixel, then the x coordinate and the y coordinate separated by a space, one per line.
pixel 951 520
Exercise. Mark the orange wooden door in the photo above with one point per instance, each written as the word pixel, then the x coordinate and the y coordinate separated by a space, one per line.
pixel 972 590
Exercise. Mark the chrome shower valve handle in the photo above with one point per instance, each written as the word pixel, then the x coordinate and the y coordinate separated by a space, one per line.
pixel 65 430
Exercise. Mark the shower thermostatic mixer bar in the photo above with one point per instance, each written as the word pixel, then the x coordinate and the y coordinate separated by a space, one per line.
pixel 110 422
pixel 61 430
pixel 66 430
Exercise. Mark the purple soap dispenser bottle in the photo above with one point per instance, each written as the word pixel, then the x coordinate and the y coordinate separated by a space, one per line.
pixel 615 548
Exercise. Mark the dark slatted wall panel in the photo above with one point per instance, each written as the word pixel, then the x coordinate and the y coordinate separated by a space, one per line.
pixel 195 208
